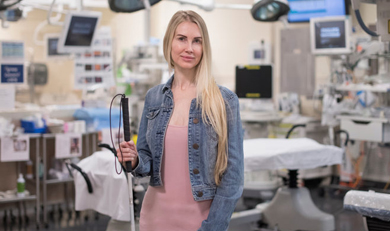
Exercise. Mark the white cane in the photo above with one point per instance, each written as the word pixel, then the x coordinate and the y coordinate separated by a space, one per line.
pixel 126 131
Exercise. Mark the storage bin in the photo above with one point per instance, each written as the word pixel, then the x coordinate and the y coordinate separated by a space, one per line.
pixel 29 127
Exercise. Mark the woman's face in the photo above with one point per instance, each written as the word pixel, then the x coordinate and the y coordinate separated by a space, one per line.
pixel 187 46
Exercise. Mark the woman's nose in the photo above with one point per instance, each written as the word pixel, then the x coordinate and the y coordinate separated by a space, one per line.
pixel 189 48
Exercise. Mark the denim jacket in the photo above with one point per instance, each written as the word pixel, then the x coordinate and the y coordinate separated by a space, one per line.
pixel 202 152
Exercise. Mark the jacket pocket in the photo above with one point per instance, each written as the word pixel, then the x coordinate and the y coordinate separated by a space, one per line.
pixel 152 118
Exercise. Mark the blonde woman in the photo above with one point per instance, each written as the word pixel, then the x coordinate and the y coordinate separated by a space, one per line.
pixel 190 140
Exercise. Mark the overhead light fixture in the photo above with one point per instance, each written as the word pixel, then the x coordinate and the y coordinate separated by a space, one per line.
pixel 269 10
pixel 129 6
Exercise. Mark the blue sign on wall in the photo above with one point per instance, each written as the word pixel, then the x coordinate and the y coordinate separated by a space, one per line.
pixel 12 73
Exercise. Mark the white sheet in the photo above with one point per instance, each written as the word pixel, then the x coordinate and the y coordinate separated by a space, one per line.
pixel 369 204
pixel 301 153
pixel 110 191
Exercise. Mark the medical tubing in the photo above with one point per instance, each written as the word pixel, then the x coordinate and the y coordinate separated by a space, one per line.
pixel 346 133
pixel 292 129
pixel 119 132
pixel 363 26
pixel 102 145
pixel 108 147
pixel 85 176
pixel 126 125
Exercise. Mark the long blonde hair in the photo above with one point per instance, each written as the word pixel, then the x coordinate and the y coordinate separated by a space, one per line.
pixel 208 95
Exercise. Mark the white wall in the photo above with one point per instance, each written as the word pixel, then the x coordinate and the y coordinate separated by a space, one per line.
pixel 230 32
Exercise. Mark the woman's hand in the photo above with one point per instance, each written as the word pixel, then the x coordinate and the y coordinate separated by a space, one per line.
pixel 129 153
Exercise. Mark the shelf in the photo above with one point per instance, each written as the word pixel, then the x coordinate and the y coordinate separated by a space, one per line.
pixel 51 181
pixel 53 135
pixel 57 181
pixel 249 116
pixel 58 112
pixel 17 199
pixel 353 87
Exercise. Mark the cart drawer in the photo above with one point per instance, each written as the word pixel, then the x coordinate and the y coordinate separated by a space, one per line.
pixel 367 130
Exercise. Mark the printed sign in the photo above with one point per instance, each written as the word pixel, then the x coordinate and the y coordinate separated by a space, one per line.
pixel 68 145
pixel 94 68
pixel 15 148
pixel 12 73
pixel 12 50
pixel 7 97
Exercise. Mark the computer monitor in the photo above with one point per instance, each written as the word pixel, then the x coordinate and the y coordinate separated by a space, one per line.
pixel 78 31
pixel 52 47
pixel 330 35
pixel 254 81
pixel 304 10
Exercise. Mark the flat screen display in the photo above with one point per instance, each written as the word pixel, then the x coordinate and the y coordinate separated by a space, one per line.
pixel 303 10
pixel 254 81
pixel 329 35
pixel 81 30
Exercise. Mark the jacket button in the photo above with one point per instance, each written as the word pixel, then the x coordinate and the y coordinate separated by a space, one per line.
pixel 195 146
pixel 200 194
pixel 195 171
pixel 195 121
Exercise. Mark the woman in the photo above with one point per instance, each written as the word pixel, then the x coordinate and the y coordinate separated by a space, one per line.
pixel 190 140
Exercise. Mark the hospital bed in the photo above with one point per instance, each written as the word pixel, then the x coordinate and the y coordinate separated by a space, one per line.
pixel 292 207
pixel 374 207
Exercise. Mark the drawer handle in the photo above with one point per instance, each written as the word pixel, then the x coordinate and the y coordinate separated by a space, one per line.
pixel 361 122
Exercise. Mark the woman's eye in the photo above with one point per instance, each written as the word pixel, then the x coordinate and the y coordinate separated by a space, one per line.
pixel 181 39
pixel 198 41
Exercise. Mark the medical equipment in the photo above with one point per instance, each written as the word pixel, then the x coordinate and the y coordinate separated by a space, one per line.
pixel 79 31
pixel 374 207
pixel 303 11
pixel 51 47
pixel 292 207
pixel 261 10
pixel 382 26
pixel 37 74
pixel 330 35
pixel 129 6
pixel 254 81
pixel 10 12
pixel 269 10
pixel 98 187
pixel 259 53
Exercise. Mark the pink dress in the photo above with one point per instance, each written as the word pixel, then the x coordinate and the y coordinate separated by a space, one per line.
pixel 172 206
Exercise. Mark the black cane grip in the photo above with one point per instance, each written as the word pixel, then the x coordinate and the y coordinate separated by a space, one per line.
pixel 126 126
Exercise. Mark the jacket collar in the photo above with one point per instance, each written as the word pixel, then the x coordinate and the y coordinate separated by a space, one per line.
pixel 168 85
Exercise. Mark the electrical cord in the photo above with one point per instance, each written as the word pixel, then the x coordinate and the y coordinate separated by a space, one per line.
pixel 119 131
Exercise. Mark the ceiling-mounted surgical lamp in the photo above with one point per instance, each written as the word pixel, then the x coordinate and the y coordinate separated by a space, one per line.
pixel 261 10
pixel 129 6
pixel 269 10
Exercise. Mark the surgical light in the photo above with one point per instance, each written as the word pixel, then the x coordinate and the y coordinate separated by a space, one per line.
pixel 269 10
pixel 129 6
